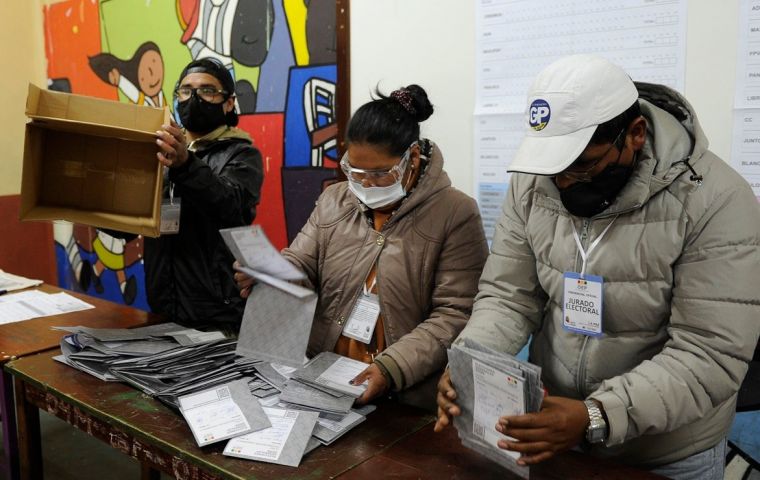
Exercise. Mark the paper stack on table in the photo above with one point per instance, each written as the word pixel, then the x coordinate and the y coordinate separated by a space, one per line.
pixel 10 282
pixel 221 394
pixel 331 372
pixel 35 303
pixel 143 352
pixel 490 385
pixel 323 384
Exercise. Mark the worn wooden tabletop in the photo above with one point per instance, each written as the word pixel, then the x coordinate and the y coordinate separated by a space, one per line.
pixel 428 455
pixel 35 335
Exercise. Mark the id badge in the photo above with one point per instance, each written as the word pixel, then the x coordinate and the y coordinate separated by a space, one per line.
pixel 361 324
pixel 170 210
pixel 582 304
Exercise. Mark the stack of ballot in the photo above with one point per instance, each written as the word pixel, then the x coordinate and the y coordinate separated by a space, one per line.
pixel 323 384
pixel 269 412
pixel 169 375
pixel 490 385
pixel 164 360
pixel 94 350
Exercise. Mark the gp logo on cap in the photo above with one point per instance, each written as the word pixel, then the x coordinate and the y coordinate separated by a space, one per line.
pixel 539 114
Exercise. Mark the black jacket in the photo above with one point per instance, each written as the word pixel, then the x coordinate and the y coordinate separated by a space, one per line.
pixel 188 275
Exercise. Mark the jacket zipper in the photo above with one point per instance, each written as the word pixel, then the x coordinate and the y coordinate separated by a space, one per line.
pixel 579 380
pixel 382 231
pixel 364 282
pixel 580 376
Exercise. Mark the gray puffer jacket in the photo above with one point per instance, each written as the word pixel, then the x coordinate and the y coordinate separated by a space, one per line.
pixel 681 269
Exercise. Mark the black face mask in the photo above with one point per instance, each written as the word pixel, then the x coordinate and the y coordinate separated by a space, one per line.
pixel 200 116
pixel 586 199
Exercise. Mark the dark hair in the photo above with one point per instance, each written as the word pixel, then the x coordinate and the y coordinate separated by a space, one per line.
pixel 216 69
pixel 103 63
pixel 608 131
pixel 391 122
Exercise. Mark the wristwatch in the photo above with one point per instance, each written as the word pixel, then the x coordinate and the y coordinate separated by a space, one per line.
pixel 596 432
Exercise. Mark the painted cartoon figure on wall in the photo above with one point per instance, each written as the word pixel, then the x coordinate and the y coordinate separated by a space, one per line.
pixel 230 31
pixel 93 261
pixel 114 254
pixel 140 79
pixel 281 54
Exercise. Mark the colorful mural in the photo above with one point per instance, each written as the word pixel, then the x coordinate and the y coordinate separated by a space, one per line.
pixel 282 55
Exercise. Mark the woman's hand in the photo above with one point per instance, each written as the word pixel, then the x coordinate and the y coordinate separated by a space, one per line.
pixel 377 384
pixel 244 282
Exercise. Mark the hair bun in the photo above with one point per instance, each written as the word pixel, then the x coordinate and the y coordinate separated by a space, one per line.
pixel 414 100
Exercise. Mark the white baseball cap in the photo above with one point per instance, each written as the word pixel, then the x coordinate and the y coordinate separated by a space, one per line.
pixel 566 102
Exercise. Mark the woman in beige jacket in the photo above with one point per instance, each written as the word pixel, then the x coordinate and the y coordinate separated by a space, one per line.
pixel 396 242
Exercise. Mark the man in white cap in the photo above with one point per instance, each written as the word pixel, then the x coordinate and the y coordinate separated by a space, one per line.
pixel 629 252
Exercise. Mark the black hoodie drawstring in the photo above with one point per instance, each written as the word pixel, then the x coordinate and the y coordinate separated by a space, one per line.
pixel 694 177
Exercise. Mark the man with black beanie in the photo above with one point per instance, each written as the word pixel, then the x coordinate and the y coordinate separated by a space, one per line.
pixel 212 182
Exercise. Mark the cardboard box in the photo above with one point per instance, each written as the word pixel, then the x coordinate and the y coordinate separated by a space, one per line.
pixel 92 161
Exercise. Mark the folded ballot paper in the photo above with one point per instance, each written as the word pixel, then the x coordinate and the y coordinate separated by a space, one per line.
pixel 223 412
pixel 334 372
pixel 284 443
pixel 278 315
pixel 323 384
pixel 490 385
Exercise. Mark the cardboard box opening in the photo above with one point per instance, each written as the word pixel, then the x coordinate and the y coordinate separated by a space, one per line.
pixel 93 162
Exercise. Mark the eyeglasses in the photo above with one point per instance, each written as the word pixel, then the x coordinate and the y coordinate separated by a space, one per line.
pixel 206 93
pixel 580 170
pixel 379 177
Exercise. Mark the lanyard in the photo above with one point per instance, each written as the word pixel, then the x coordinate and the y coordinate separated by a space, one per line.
pixel 585 254
pixel 367 291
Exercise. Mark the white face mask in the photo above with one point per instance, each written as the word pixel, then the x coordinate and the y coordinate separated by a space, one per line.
pixel 377 197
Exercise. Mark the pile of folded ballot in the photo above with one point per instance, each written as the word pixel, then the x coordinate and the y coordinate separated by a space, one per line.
pixel 490 385
pixel 265 411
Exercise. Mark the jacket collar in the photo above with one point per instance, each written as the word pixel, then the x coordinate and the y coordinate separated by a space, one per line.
pixel 220 133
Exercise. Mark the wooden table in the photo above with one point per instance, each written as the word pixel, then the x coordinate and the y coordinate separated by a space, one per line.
pixel 435 456
pixel 28 337
pixel 394 440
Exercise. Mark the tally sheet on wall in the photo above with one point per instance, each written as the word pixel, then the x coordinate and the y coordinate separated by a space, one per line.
pixel 748 56
pixel 745 141
pixel 516 39
pixel 745 146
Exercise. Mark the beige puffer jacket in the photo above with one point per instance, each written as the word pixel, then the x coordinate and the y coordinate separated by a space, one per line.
pixel 681 269
pixel 429 256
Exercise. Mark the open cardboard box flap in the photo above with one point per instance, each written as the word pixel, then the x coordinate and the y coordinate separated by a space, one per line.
pixel 92 161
